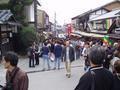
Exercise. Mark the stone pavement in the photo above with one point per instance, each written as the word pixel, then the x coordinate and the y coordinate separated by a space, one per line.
pixel 24 65
pixel 55 79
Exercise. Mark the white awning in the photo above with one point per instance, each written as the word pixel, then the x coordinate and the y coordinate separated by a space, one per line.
pixel 90 34
pixel 75 34
pixel 111 14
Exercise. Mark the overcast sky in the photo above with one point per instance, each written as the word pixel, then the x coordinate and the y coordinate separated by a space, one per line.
pixel 66 9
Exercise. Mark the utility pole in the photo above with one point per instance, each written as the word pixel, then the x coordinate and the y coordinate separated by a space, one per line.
pixel 55 24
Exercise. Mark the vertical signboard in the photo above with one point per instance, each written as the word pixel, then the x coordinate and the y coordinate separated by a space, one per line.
pixel 69 29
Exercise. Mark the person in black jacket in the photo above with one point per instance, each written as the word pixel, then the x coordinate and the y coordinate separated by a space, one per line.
pixel 31 55
pixel 69 56
pixel 109 55
pixel 117 75
pixel 97 78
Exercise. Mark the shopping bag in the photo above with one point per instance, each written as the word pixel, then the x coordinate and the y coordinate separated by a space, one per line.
pixel 52 57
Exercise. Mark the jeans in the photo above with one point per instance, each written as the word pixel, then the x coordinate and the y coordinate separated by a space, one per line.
pixel 46 60
pixel 57 62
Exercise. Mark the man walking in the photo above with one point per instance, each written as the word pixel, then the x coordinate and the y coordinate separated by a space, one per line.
pixel 69 56
pixel 16 79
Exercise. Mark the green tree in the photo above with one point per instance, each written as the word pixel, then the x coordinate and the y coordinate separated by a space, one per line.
pixel 27 2
pixel 4 6
pixel 27 37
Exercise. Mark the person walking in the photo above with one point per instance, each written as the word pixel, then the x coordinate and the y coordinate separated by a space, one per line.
pixel 16 79
pixel 85 55
pixel 57 53
pixel 98 77
pixel 45 51
pixel 69 56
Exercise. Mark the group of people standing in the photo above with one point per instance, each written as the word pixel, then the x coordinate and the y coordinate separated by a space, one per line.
pixel 62 51
pixel 52 50
pixel 102 66
pixel 33 54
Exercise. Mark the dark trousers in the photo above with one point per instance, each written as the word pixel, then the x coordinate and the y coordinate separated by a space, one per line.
pixel 31 62
pixel 87 63
pixel 37 59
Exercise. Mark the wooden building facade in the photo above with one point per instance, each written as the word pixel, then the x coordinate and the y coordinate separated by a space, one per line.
pixel 8 31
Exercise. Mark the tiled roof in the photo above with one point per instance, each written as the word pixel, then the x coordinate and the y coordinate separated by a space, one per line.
pixel 85 13
pixel 111 14
pixel 5 15
pixel 93 10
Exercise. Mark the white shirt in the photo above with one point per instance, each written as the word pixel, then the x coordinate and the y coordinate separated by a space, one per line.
pixel 67 54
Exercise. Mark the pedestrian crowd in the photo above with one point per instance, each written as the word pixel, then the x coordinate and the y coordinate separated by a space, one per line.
pixel 101 63
pixel 52 50
pixel 102 66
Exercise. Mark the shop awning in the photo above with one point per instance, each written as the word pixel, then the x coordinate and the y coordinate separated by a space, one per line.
pixel 89 34
pixel 114 36
pixel 75 34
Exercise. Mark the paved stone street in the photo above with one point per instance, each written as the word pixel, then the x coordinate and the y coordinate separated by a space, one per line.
pixel 52 80
pixel 55 80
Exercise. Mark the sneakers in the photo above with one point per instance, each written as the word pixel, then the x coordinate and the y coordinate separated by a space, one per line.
pixel 68 75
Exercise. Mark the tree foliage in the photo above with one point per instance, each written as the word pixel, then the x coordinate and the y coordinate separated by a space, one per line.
pixel 4 6
pixel 27 2
pixel 27 36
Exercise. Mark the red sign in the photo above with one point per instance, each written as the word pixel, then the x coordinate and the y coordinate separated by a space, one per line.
pixel 69 29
